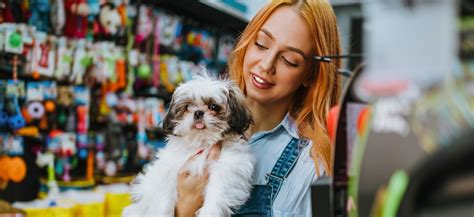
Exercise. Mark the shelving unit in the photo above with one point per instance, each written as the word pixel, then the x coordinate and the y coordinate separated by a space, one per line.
pixel 205 13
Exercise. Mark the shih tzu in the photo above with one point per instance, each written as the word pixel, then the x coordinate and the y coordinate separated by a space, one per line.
pixel 203 112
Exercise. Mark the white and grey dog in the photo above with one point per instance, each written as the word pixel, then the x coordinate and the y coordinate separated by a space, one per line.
pixel 203 112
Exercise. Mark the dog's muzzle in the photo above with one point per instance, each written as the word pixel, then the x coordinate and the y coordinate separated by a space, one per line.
pixel 198 114
pixel 198 122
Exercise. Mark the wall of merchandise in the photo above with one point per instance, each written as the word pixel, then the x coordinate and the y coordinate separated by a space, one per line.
pixel 84 85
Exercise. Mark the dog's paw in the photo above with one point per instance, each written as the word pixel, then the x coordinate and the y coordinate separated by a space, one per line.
pixel 210 212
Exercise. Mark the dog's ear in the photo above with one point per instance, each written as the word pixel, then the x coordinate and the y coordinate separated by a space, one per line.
pixel 168 122
pixel 240 116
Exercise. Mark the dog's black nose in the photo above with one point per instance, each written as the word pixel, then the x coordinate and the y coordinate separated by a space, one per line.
pixel 198 114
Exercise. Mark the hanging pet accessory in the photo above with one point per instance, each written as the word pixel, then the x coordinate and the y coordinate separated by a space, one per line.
pixel 16 121
pixel 36 110
pixel 3 114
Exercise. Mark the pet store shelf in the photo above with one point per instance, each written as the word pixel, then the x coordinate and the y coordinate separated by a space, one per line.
pixel 205 13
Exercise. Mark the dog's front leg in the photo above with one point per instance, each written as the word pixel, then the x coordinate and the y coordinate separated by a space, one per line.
pixel 214 195
pixel 164 198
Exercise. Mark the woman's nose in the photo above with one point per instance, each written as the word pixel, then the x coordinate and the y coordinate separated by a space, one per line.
pixel 267 64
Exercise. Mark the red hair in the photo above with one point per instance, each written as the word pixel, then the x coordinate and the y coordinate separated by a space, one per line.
pixel 311 104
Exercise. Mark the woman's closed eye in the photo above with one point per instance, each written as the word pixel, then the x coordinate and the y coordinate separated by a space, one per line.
pixel 288 62
pixel 260 46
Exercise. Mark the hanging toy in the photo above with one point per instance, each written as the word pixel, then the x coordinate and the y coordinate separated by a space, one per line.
pixel 40 14
pixel 47 159
pixel 36 110
pixel 13 168
pixel 43 61
pixel 4 174
pixel 64 146
pixel 226 45
pixel 90 166
pixel 65 53
pixel 81 95
pixel 34 91
pixel 99 69
pixel 3 114
pixel 65 96
pixel 17 169
pixel 156 54
pixel 29 131
pixel 110 168
pixel 82 127
pixel 50 106
pixel 50 90
pixel 144 69
pixel 58 16
pixel 132 64
pixel 141 133
pixel 43 55
pixel 6 14
pixel 144 24
pixel 120 68
pixel 76 24
pixel 94 9
pixel 100 147
pixel 49 121
pixel 14 145
pixel 169 28
pixel 16 121
pixel 110 20
pixel 13 39
pixel 165 76
pixel 208 47
pixel 28 38
pixel 81 61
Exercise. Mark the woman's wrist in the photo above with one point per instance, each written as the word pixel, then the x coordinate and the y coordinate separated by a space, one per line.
pixel 187 207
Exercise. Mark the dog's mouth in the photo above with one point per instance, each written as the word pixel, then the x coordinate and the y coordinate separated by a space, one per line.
pixel 199 124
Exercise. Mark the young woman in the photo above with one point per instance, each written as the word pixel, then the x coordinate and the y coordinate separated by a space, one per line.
pixel 289 95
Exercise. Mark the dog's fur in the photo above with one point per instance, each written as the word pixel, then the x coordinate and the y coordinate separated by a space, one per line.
pixel 203 112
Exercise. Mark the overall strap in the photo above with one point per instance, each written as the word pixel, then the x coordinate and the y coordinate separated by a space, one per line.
pixel 284 165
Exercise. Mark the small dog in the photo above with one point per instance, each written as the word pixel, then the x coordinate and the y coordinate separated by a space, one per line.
pixel 203 112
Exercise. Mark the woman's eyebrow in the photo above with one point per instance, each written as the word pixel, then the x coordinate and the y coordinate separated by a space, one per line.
pixel 296 50
pixel 290 48
pixel 268 33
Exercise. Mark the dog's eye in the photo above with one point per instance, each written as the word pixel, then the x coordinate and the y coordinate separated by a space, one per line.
pixel 214 107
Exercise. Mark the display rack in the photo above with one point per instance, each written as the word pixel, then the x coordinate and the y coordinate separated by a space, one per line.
pixel 206 20
pixel 205 13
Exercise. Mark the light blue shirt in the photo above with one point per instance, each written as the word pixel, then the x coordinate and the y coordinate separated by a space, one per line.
pixel 294 198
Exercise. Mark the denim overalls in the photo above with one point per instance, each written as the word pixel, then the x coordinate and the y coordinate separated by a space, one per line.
pixel 262 196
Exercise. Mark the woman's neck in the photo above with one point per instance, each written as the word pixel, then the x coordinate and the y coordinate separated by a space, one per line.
pixel 265 117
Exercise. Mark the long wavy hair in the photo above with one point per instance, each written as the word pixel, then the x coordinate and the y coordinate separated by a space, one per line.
pixel 311 104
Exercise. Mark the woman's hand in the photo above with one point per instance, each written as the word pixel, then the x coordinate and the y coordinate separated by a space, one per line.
pixel 191 187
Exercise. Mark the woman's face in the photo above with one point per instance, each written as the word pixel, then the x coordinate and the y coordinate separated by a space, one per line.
pixel 278 61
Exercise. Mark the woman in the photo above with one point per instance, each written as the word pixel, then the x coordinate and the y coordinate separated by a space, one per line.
pixel 289 95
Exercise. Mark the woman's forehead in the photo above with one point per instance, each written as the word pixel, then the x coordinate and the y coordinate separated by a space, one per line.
pixel 286 26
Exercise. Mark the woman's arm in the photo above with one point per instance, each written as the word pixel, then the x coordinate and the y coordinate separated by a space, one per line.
pixel 191 188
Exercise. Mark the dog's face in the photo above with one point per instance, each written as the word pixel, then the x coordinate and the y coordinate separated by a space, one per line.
pixel 208 107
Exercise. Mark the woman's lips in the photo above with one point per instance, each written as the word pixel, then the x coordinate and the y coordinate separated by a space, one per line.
pixel 260 83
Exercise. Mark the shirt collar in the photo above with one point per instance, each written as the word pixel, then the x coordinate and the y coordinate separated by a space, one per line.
pixel 288 124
